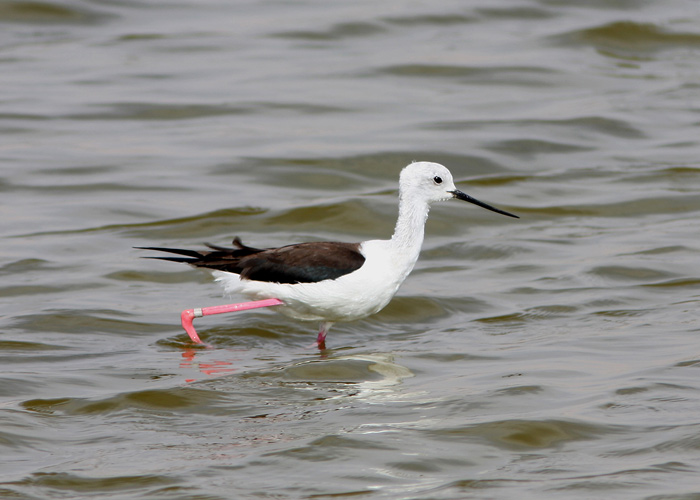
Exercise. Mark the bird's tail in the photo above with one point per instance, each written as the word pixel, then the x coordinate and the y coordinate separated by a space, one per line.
pixel 191 256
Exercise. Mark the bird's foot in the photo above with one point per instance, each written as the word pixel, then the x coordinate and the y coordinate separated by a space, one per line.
pixel 320 344
pixel 321 339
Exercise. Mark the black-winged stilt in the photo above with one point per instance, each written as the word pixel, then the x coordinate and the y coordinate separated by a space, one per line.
pixel 328 281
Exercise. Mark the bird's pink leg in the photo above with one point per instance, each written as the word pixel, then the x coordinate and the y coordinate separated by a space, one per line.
pixel 188 315
pixel 321 339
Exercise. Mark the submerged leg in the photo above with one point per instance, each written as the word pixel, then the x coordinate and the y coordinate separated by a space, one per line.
pixel 188 315
pixel 321 339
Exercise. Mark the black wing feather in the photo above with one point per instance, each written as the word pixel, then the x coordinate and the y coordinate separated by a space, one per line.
pixel 299 263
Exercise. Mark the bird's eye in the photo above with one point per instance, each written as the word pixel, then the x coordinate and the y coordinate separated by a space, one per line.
pixel 437 179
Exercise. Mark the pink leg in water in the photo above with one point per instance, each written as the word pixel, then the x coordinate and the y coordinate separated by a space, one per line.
pixel 188 315
pixel 321 339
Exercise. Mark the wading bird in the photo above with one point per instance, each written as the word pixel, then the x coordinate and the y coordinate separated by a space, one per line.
pixel 328 281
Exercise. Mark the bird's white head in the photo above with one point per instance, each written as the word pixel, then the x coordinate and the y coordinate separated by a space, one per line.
pixel 431 182
pixel 427 181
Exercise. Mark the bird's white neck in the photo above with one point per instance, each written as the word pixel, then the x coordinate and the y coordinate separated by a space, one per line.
pixel 410 229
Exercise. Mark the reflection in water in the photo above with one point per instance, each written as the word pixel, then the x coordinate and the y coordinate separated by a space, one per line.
pixel 209 368
pixel 371 373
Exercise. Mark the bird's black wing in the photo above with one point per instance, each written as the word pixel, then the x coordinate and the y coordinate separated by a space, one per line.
pixel 299 263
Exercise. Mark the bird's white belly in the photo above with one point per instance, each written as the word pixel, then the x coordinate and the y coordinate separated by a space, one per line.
pixel 350 297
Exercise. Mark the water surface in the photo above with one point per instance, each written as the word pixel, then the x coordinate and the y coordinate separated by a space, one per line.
pixel 554 356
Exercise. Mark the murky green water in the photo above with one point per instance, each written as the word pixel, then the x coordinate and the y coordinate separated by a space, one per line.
pixel 556 356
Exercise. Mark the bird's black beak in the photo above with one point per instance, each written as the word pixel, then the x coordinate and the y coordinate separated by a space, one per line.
pixel 464 196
